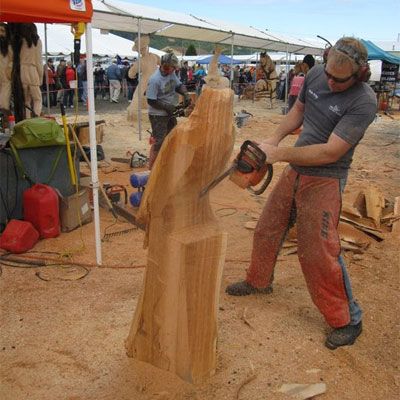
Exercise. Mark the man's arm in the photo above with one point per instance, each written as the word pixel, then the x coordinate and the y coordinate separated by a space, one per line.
pixel 160 105
pixel 292 121
pixel 181 89
pixel 308 156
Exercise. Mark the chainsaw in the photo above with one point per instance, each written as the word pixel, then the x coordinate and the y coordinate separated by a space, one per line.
pixel 247 170
pixel 183 110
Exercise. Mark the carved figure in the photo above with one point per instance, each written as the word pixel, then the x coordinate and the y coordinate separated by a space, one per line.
pixel 31 68
pixel 6 59
pixel 175 322
pixel 148 64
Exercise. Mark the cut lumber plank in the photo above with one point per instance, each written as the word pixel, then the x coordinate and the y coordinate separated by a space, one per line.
pixel 175 321
pixel 375 203
pixel 396 212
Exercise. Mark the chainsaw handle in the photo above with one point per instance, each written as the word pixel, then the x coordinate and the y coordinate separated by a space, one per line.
pixel 270 174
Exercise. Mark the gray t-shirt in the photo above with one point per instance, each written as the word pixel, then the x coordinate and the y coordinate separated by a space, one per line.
pixel 162 88
pixel 347 114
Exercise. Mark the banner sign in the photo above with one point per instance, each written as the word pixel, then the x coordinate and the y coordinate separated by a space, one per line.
pixel 389 72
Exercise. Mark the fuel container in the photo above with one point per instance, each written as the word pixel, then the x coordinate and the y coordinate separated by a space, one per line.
pixel 19 236
pixel 41 208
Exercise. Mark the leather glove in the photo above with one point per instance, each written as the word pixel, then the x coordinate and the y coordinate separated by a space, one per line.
pixel 169 108
pixel 186 100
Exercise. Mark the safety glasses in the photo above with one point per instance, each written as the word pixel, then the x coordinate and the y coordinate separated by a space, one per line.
pixel 338 80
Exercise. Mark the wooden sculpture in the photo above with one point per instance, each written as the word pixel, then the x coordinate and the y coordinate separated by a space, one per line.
pixel 266 86
pixel 175 322
pixel 148 64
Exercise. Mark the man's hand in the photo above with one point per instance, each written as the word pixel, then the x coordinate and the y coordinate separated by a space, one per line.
pixel 271 151
pixel 273 141
pixel 169 108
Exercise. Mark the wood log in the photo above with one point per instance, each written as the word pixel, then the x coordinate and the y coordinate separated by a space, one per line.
pixel 175 321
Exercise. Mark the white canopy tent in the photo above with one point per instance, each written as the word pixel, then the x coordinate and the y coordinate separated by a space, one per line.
pixel 60 42
pixel 126 16
pixel 117 15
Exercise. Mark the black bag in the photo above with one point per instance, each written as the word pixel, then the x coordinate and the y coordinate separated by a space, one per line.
pixel 100 153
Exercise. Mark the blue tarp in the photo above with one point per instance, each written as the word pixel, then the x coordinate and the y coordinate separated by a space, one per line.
pixel 221 60
pixel 376 53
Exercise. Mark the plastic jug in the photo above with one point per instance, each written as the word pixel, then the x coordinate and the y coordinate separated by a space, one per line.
pixel 41 208
pixel 19 236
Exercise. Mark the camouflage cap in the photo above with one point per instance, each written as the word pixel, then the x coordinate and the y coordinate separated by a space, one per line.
pixel 169 59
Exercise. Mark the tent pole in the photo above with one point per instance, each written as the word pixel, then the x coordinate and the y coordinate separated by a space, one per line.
pixel 139 88
pixel 93 141
pixel 46 74
pixel 231 74
pixel 287 77
pixel 255 78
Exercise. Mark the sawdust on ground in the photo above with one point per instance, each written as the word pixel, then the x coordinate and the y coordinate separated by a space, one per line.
pixel 64 339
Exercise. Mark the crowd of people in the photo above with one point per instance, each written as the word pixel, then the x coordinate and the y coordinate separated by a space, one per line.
pixel 112 82
pixel 64 81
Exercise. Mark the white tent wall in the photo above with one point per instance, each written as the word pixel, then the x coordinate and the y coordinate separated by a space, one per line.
pixel 60 41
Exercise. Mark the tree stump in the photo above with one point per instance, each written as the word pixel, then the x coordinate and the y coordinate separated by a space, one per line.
pixel 175 322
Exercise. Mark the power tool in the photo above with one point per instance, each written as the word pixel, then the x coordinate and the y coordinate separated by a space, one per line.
pixel 247 170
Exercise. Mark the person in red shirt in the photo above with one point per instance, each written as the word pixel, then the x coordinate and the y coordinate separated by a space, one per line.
pixel 51 77
pixel 70 75
pixel 300 71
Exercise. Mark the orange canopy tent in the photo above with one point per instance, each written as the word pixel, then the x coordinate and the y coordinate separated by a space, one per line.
pixel 65 11
pixel 46 10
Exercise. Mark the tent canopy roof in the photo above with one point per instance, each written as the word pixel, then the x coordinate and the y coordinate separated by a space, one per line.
pixel 119 15
pixel 60 41
pixel 45 11
pixel 376 53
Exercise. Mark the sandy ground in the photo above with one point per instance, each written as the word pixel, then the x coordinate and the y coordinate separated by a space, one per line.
pixel 64 339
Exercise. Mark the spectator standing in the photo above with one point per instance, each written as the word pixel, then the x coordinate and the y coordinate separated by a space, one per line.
pixel 60 80
pixel 184 73
pixel 114 78
pixel 124 81
pixel 99 81
pixel 70 75
pixel 235 80
pixel 50 72
pixel 300 71
pixel 82 75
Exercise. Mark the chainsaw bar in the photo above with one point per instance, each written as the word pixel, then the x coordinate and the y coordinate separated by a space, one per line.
pixel 217 180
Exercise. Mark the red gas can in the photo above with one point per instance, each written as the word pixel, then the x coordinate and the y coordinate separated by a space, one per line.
pixel 19 236
pixel 41 207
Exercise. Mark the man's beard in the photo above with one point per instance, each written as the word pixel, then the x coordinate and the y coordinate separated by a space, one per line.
pixel 4 42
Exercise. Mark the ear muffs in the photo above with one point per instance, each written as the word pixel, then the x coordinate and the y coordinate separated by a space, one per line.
pixel 364 73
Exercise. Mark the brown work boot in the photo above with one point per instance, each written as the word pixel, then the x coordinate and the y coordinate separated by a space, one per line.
pixel 344 336
pixel 244 288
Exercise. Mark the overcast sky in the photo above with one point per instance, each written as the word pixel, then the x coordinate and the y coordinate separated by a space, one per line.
pixel 367 19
